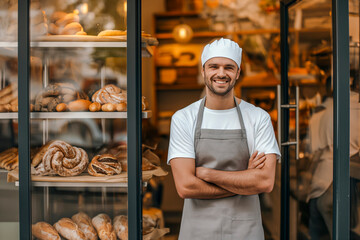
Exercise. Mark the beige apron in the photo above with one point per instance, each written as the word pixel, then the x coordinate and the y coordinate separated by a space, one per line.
pixel 237 217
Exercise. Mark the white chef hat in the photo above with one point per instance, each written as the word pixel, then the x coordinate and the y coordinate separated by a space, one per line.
pixel 222 48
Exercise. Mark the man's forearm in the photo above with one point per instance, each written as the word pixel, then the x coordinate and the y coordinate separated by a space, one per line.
pixel 199 189
pixel 247 182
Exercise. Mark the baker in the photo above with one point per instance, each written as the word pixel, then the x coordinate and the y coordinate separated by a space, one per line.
pixel 222 153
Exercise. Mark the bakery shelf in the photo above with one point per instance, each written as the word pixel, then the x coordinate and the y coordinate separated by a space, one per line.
pixel 68 45
pixel 75 115
pixel 85 180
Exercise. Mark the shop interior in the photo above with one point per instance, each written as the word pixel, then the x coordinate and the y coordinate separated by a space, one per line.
pixel 173 35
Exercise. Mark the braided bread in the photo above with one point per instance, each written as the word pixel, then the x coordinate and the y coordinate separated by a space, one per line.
pixel 102 165
pixel 64 159
pixel 109 94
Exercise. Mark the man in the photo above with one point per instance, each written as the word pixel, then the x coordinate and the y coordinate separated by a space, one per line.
pixel 321 141
pixel 209 153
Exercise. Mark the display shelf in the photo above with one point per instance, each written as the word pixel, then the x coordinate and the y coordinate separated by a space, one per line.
pixel 75 115
pixel 5 47
pixel 85 180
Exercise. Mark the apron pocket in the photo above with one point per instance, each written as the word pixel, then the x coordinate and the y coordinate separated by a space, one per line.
pixel 242 229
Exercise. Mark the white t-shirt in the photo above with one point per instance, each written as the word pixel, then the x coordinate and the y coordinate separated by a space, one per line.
pixel 259 130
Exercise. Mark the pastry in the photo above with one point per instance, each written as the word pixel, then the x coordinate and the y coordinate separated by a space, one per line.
pixel 109 94
pixel 37 159
pixel 121 227
pixel 145 166
pixel 66 19
pixel 64 159
pixel 85 225
pixel 108 107
pixel 111 33
pixel 71 29
pixel 103 226
pixel 79 105
pixel 95 107
pixel 8 90
pixel 9 98
pixel 5 107
pixel 105 164
pixel 121 107
pixel 56 16
pixel 81 33
pixel 69 230
pixel 44 231
pixel 9 159
pixel 61 107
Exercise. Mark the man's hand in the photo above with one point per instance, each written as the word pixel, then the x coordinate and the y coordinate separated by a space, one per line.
pixel 202 173
pixel 257 160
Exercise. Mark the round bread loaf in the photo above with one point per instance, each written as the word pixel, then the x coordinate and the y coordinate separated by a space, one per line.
pixel 44 231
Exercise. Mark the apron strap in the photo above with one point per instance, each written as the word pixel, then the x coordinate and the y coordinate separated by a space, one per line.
pixel 239 114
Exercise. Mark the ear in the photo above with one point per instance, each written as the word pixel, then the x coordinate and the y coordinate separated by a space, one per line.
pixel 238 74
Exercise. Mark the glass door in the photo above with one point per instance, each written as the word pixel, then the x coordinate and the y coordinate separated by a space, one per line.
pixel 314 110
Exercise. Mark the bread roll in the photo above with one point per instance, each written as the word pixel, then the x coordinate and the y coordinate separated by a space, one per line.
pixel 61 107
pixel 121 227
pixel 53 29
pixel 95 107
pixel 69 230
pixel 111 33
pixel 71 29
pixel 121 107
pixel 103 226
pixel 79 105
pixel 56 16
pixel 85 225
pixel 108 107
pixel 44 231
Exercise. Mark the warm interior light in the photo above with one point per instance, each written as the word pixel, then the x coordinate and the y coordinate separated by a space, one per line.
pixel 125 6
pixel 84 8
pixel 182 33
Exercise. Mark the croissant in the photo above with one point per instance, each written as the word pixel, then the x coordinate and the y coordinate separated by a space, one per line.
pixel 105 164
pixel 64 159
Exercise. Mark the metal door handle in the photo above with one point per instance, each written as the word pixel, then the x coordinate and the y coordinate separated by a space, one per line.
pixel 297 130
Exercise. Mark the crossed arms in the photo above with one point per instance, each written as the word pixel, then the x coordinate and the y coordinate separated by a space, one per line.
pixel 206 183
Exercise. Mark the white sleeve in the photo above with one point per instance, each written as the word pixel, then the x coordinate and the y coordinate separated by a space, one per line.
pixel 265 140
pixel 181 138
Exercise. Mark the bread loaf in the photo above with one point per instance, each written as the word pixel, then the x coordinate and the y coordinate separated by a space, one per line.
pixel 121 227
pixel 85 225
pixel 64 159
pixel 79 105
pixel 95 107
pixel 105 164
pixel 44 231
pixel 145 166
pixel 103 226
pixel 8 90
pixel 109 94
pixel 68 18
pixel 69 230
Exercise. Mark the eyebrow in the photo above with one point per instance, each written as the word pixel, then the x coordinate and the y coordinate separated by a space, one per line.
pixel 215 64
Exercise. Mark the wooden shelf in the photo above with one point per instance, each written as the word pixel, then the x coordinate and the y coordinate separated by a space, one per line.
pixel 163 87
pixel 244 32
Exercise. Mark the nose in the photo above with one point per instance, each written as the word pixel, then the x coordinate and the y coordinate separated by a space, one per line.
pixel 221 72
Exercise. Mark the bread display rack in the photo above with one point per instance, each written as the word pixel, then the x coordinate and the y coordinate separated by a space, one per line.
pixel 46 45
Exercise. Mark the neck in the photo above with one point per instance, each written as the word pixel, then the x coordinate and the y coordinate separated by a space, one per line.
pixel 217 102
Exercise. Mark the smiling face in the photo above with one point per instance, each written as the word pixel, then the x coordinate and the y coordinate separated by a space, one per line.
pixel 220 75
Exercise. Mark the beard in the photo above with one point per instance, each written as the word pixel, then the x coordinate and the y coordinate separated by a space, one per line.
pixel 209 84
